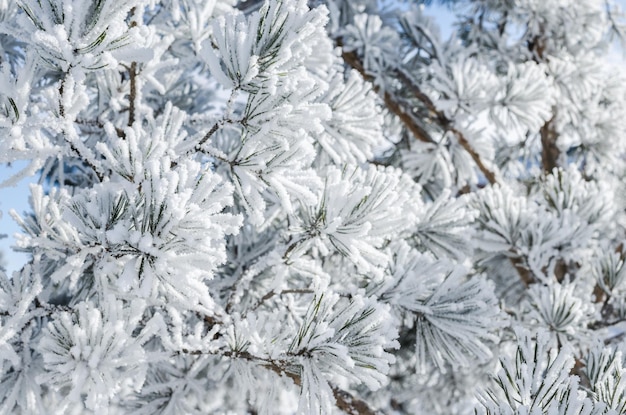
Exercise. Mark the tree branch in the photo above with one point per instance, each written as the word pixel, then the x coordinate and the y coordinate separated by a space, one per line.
pixel 132 97
pixel 132 71
pixel 418 132
pixel 446 124
pixel 72 145
pixel 550 152
pixel 208 135
pixel 525 274
pixel 436 115
pixel 489 175
pixel 226 119
pixel 344 400
pixel 281 293
pixel 349 404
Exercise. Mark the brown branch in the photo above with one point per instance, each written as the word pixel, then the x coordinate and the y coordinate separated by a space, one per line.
pixel 560 269
pixel 436 115
pixel 446 124
pixel 198 146
pixel 418 132
pixel 280 368
pixel 344 400
pixel 61 91
pixel 208 135
pixel 520 266
pixel 425 99
pixel 349 404
pixel 133 80
pixel 550 152
pixel 489 175
pixel 133 93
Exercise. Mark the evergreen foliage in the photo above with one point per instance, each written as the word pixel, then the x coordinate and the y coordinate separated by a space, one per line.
pixel 316 207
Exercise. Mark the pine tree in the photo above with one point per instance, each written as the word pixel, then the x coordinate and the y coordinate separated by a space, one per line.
pixel 326 207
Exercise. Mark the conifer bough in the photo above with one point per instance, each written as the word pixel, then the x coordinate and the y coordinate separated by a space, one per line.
pixel 314 208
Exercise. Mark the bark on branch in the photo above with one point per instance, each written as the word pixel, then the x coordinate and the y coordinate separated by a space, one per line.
pixel 344 399
pixel 435 114
pixel 550 152
pixel 132 71
pixel 418 132
pixel 133 94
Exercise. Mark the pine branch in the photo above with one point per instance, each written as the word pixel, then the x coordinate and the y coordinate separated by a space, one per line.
pixel 281 293
pixel 550 152
pixel 446 124
pixel 133 93
pixel 489 175
pixel 353 60
pixel 208 135
pixel 344 400
pixel 73 147
pixel 418 132
pixel 132 108
pixel 226 119
pixel 349 404
pixel 525 274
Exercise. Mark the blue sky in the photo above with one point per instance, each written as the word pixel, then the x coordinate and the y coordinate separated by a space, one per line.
pixel 16 197
pixel 12 198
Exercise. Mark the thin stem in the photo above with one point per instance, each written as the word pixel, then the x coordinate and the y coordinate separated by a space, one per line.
pixel 208 135
pixel 283 292
pixel 226 119
pixel 435 45
pixel 66 134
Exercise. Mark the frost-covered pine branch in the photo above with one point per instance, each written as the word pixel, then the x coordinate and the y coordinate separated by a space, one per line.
pixel 318 207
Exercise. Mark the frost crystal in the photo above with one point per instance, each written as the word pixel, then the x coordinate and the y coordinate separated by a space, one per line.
pixel 313 207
